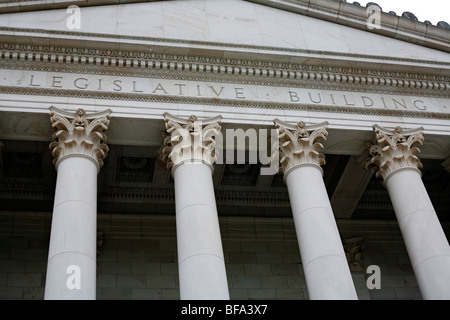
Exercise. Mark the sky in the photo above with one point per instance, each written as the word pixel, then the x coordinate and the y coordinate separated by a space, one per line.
pixel 431 10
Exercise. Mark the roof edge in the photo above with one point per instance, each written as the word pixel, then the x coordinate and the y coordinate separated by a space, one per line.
pixel 405 27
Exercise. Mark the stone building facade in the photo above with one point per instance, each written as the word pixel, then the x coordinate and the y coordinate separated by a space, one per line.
pixel 211 149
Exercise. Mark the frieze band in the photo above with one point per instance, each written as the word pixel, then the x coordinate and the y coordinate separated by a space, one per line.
pixel 221 91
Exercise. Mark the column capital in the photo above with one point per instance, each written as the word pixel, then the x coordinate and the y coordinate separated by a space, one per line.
pixel 299 144
pixel 446 164
pixel 393 150
pixel 79 134
pixel 189 140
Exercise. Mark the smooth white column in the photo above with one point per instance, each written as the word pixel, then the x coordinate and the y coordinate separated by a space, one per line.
pixel 425 241
pixel 324 262
pixel 325 265
pixel 72 251
pixel 78 147
pixel 189 151
pixel 201 262
pixel 394 159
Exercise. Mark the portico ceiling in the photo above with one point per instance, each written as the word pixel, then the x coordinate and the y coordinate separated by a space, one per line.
pixel 132 181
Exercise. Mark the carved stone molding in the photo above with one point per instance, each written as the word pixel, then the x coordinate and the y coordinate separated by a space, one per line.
pixel 251 71
pixel 446 164
pixel 353 248
pixel 189 140
pixel 393 150
pixel 79 134
pixel 299 144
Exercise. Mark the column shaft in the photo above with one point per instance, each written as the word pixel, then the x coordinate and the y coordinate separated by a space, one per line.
pixel 422 232
pixel 394 159
pixel 79 147
pixel 189 151
pixel 324 262
pixel 71 270
pixel 200 256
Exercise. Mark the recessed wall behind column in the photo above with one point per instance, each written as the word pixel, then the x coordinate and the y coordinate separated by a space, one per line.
pixel 138 258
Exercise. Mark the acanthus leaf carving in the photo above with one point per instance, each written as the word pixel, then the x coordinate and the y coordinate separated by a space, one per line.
pixel 393 150
pixel 189 140
pixel 354 252
pixel 300 144
pixel 79 134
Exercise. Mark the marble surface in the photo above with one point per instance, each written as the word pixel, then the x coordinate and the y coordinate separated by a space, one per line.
pixel 325 265
pixel 73 238
pixel 425 240
pixel 223 21
pixel 201 262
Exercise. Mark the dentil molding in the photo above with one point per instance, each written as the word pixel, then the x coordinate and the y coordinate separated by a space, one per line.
pixel 252 71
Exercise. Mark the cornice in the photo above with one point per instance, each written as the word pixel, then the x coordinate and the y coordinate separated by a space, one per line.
pixel 405 27
pixel 155 65
pixel 248 71
pixel 125 46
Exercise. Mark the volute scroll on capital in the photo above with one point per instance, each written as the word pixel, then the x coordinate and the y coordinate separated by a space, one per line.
pixel 79 134
pixel 299 144
pixel 189 141
pixel 392 150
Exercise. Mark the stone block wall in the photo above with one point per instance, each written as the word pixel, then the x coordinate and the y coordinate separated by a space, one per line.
pixel 23 254
pixel 138 258
pixel 383 247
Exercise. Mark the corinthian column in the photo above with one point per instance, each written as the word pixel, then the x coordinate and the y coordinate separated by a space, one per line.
pixel 393 158
pixel 78 148
pixel 189 152
pixel 324 262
